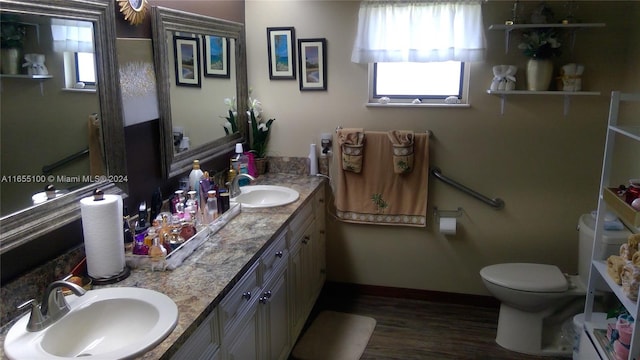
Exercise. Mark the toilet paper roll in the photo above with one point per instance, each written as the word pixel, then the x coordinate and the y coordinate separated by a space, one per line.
pixel 448 225
pixel 103 237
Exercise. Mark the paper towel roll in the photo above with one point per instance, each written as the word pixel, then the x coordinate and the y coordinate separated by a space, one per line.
pixel 103 237
pixel 313 160
pixel 448 225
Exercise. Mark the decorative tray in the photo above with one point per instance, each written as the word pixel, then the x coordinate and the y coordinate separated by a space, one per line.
pixel 178 255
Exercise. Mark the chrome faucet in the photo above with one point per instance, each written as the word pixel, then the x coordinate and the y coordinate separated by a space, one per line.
pixel 53 305
pixel 234 187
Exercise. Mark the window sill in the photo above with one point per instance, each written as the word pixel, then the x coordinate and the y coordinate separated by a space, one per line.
pixel 92 91
pixel 410 105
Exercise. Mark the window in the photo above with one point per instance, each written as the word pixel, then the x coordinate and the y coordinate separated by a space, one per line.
pixel 431 82
pixel 85 68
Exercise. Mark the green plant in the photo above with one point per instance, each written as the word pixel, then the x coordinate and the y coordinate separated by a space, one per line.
pixel 260 129
pixel 259 134
pixel 540 43
pixel 12 34
pixel 231 125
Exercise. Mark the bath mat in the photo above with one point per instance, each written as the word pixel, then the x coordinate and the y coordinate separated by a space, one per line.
pixel 336 336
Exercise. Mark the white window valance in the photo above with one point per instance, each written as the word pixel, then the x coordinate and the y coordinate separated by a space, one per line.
pixel 419 31
pixel 72 35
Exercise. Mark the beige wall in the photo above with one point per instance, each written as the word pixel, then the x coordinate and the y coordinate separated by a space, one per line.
pixel 544 165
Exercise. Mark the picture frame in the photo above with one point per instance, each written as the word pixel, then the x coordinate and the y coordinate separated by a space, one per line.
pixel 312 62
pixel 282 53
pixel 216 56
pixel 187 60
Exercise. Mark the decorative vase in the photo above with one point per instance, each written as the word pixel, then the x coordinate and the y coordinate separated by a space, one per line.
pixel 261 165
pixel 539 74
pixel 10 61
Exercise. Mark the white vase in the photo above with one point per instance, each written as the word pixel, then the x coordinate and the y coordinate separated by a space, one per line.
pixel 10 61
pixel 539 74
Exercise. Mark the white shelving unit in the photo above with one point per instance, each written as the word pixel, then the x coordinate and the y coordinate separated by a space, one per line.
pixel 627 214
pixel 566 94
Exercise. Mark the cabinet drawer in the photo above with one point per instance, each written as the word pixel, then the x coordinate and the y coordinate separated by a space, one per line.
pixel 239 298
pixel 274 258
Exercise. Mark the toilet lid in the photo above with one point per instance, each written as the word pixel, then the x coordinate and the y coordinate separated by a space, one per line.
pixel 526 277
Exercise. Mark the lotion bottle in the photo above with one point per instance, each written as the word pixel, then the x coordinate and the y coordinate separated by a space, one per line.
pixel 194 177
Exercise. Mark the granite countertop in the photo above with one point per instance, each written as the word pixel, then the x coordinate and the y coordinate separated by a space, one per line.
pixel 198 285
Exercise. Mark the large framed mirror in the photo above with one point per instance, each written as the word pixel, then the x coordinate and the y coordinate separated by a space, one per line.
pixel 59 126
pixel 200 62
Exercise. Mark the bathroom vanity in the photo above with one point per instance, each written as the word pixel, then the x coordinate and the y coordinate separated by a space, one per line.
pixel 248 290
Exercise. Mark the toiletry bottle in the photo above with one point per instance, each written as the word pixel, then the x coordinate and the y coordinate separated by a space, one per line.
pixel 212 206
pixel 232 171
pixel 178 203
pixel 158 254
pixel 194 176
pixel 141 225
pixel 191 208
pixel 313 160
pixel 242 165
pixel 156 203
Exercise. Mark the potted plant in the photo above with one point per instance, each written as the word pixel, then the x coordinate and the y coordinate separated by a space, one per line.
pixel 540 45
pixel 12 35
pixel 259 137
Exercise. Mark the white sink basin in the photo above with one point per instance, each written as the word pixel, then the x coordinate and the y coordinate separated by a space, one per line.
pixel 263 196
pixel 109 323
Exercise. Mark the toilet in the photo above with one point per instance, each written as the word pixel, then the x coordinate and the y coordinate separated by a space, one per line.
pixel 536 299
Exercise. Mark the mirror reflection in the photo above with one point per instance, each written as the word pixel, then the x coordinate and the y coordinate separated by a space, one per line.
pixel 50 110
pixel 200 62
pixel 199 86
pixel 59 124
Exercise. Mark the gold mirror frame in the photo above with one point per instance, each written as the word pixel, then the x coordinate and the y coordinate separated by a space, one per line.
pixel 132 13
pixel 163 20
pixel 28 224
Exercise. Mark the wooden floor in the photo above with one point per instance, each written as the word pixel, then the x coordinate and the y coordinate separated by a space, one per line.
pixel 417 329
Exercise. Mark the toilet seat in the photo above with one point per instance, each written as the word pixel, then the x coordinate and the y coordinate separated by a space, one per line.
pixel 539 278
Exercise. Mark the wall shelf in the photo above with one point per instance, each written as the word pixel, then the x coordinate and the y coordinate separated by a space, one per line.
pixel 508 28
pixel 39 78
pixel 567 96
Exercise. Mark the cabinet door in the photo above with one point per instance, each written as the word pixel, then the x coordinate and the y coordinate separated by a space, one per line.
pixel 204 343
pixel 274 310
pixel 243 343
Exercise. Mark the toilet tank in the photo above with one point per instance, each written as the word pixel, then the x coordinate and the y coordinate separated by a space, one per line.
pixel 609 244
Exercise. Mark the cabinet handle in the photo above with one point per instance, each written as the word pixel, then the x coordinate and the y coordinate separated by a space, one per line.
pixel 267 294
pixel 247 295
pixel 321 232
pixel 279 254
pixel 263 300
pixel 306 239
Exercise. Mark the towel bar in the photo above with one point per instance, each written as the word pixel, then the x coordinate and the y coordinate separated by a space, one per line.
pixel 496 203
pixel 429 132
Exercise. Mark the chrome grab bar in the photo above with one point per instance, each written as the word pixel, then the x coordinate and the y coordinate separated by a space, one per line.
pixel 48 169
pixel 496 203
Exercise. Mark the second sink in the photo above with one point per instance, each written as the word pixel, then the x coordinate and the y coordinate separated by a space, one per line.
pixel 263 196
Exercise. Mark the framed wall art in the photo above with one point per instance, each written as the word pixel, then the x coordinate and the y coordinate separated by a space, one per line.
pixel 216 56
pixel 282 53
pixel 187 59
pixel 312 61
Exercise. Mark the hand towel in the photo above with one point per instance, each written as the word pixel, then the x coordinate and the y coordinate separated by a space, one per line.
pixel 378 195
pixel 615 264
pixel 630 280
pixel 351 143
pixel 402 142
